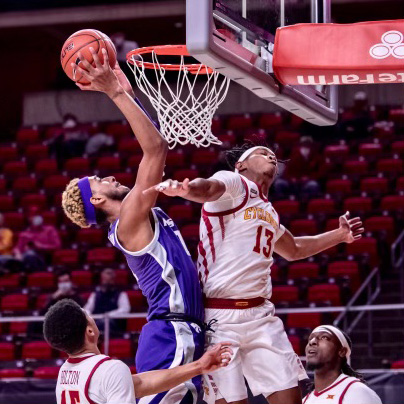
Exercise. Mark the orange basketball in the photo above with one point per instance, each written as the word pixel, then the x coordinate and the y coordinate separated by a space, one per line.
pixel 82 41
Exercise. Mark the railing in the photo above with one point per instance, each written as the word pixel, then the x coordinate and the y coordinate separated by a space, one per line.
pixel 397 260
pixel 106 317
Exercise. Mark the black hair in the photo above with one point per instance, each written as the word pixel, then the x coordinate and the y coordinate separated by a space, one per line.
pixel 63 272
pixel 345 367
pixel 64 326
pixel 69 116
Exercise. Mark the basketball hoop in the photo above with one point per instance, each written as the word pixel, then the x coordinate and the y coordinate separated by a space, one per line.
pixel 184 112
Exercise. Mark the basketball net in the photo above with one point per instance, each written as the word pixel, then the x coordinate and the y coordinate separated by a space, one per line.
pixel 185 111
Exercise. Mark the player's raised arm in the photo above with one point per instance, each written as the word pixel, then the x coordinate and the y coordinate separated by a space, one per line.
pixel 296 248
pixel 156 381
pixel 134 230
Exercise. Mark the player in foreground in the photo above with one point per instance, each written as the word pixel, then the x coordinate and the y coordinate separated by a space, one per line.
pixel 239 232
pixel 87 377
pixel 149 239
pixel 328 352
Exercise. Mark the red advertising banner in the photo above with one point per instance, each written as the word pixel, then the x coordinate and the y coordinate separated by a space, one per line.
pixel 327 54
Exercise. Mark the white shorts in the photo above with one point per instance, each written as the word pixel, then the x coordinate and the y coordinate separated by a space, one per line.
pixel 262 354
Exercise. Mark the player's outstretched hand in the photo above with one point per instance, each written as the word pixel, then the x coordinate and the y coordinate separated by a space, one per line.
pixel 123 80
pixel 351 228
pixel 171 188
pixel 216 357
pixel 100 75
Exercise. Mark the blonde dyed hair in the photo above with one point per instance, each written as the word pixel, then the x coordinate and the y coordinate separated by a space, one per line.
pixel 73 205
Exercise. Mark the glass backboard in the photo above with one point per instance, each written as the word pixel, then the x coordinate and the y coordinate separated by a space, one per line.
pixel 236 37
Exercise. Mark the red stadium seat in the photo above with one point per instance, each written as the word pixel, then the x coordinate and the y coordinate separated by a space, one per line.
pixel 380 223
pixel 180 212
pixel 190 231
pixel 119 130
pixel 6 203
pixel 134 161
pixel 374 185
pixel 287 207
pixel 397 115
pixel 19 327
pixel 275 272
pixel 12 373
pixel 101 255
pixel 10 280
pixel 255 135
pixel 47 372
pixel 46 167
pixel 8 153
pixel 356 167
pixel 400 184
pixel 285 294
pixel 332 224
pixel 269 121
pixel 175 158
pixel 50 217
pixel 365 246
pixel 65 257
pixel 36 152
pixel 82 278
pixel 25 184
pixel 324 293
pixel 45 280
pixel 296 344
pixel 204 157
pixel 127 179
pixel 78 165
pixel 135 324
pixel 91 236
pixel 129 146
pixel 137 300
pixel 339 186
pixel 229 138
pixel 56 183
pixel 390 166
pixel 216 124
pixel 392 203
pixel 336 152
pixel 301 227
pixel 350 269
pixel 14 302
pixel 398 147
pixel 321 205
pixel 120 348
pixel 358 204
pixel 303 270
pixel 121 278
pixel 239 122
pixel 370 149
pixel 15 169
pixel 15 220
pixel 36 350
pixel 303 320
pixel 27 136
pixel 287 139
pixel 3 184
pixel 7 351
pixel 42 300
pixel 108 164
pixel 30 200
pixel 180 175
pixel 398 364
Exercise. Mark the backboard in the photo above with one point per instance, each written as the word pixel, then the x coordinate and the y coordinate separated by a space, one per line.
pixel 236 38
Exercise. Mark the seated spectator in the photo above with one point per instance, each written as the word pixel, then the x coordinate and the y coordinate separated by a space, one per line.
pixel 98 143
pixel 107 298
pixel 36 243
pixel 122 46
pixel 66 289
pixel 6 242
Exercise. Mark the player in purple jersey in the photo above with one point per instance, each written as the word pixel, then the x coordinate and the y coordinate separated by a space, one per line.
pixel 149 239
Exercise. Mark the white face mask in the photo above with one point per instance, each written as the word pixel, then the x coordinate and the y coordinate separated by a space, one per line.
pixel 37 221
pixel 64 286
pixel 305 151
pixel 70 123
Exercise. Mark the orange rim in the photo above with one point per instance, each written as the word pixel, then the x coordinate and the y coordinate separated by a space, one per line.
pixel 167 50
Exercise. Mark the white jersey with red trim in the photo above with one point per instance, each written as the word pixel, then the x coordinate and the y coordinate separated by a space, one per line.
pixel 345 390
pixel 238 233
pixel 94 379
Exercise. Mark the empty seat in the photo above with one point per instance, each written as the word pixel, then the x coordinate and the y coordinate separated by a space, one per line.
pixel 356 167
pixel 392 203
pixel 108 163
pixel 239 122
pixel 120 348
pixel 336 152
pixel 398 147
pixel 36 350
pixel 303 320
pixel 269 121
pixel 296 344
pixel 118 130
pixel 364 246
pixel 134 161
pixel 129 146
pixel 30 200
pixel 82 278
pixel 8 153
pixel 6 203
pixel 204 157
pixel 181 212
pixel 303 227
pixel 42 300
pixel 12 373
pixel 228 139
pixel 3 184
pixel 390 166
pixel 56 183
pixel 135 324
pixel 400 184
pixel 190 231
pixel 349 269
pixel 14 220
pixel 47 372
pixel 7 351
pixel 287 207
pixel 18 327
pixel 91 236
pixel 287 139
pixel 121 277
pixel 45 280
pixel 398 364
pixel 370 149
pixel 46 167
pixel 303 270
pixel 321 205
pixel 127 179
pixel 380 223
pixel 342 186
pixel 285 294
pixel 10 280
pixel 27 135
pixel 36 152
pixel 65 257
pixel 358 204
pixel 78 165
pixel 175 158
pixel 101 255
pixel 180 175
pixel 50 217
pixel 136 299
pixel 324 293
pixel 25 184
pixel 14 302
pixel 374 185
pixel 15 168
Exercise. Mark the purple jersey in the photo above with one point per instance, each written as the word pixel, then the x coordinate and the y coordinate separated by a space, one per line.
pixel 164 270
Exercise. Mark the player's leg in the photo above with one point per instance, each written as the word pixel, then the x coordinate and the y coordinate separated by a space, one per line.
pixel 288 396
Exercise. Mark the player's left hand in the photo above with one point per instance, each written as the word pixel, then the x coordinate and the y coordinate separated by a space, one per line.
pixel 352 229
pixel 216 357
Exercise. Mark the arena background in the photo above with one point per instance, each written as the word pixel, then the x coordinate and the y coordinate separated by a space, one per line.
pixel 357 165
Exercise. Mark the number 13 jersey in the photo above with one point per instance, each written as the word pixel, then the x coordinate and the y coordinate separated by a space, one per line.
pixel 238 233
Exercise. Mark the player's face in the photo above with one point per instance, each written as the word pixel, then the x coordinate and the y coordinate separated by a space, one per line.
pixel 95 331
pixel 263 161
pixel 322 348
pixel 109 188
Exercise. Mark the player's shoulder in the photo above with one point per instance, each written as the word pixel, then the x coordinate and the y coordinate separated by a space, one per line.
pixel 111 367
pixel 226 175
pixel 358 392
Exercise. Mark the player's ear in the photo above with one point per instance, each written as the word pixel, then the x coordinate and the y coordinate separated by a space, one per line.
pixel 239 166
pixel 342 352
pixel 98 200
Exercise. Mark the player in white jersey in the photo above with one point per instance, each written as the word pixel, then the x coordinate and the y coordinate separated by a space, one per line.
pixel 239 232
pixel 328 353
pixel 87 377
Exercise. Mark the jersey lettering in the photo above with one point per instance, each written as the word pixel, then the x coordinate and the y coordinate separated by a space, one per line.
pixel 74 397
pixel 267 249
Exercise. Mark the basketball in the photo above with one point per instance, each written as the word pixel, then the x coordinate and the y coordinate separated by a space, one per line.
pixel 82 41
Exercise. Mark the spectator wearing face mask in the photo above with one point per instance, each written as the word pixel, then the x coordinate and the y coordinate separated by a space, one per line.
pixel 6 241
pixel 122 46
pixel 108 298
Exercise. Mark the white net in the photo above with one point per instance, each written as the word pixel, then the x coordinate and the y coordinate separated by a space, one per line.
pixel 184 109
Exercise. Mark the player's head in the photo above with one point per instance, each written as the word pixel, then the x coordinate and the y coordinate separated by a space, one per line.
pixel 252 159
pixel 88 200
pixel 329 348
pixel 68 328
